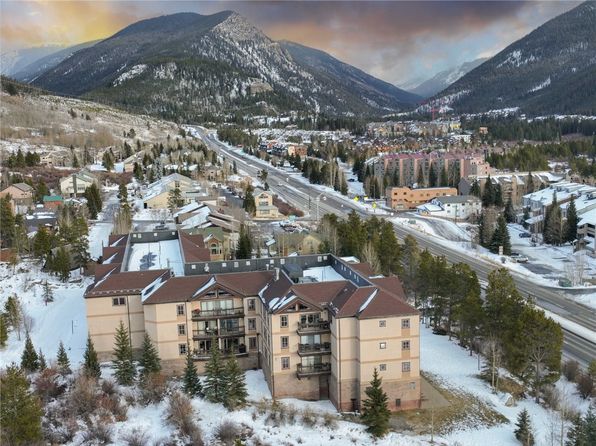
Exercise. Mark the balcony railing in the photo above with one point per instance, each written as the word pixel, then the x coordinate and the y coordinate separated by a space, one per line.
pixel 217 313
pixel 314 349
pixel 314 369
pixel 222 331
pixel 313 327
pixel 202 355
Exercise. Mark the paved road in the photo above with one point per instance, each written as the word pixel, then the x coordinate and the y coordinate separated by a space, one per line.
pixel 306 196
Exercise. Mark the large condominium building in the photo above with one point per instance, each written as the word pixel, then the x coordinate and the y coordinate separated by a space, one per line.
pixel 317 325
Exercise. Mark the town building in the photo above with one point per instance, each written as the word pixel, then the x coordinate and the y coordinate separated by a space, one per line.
pixel 455 207
pixel 52 201
pixel 317 325
pixel 158 192
pixel 265 210
pixel 74 185
pixel 402 198
pixel 21 196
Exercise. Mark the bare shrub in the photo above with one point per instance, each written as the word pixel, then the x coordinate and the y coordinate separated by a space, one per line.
pixel 111 404
pixel 179 408
pixel 570 370
pixel 98 433
pixel 262 406
pixel 59 430
pixel 291 413
pixel 585 385
pixel 309 418
pixel 135 437
pixel 108 387
pixel 227 432
pixel 82 400
pixel 330 421
pixel 192 432
pixel 153 388
pixel 551 396
pixel 48 386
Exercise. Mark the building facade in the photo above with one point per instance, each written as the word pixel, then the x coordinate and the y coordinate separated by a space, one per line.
pixel 402 198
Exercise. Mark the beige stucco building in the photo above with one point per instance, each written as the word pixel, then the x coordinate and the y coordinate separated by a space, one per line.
pixel 316 325
pixel 401 198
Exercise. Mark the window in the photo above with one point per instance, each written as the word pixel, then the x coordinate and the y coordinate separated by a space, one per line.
pixel 398 402
pixel 285 342
pixel 252 324
pixel 412 385
pixel 405 345
pixel 181 329
pixel 180 309
pixel 182 349
pixel 283 321
pixel 251 305
pixel 252 343
pixel 382 345
pixel 285 363
pixel 117 301
pixel 405 366
pixel 382 367
pixel 382 323
pixel 405 323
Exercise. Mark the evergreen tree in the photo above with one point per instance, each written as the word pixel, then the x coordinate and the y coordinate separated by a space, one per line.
pixel 175 199
pixel 29 358
pixel 90 362
pixel 20 411
pixel 13 314
pixel 248 203
pixel 48 295
pixel 529 183
pixel 3 331
pixel 107 161
pixel 526 217
pixel 41 190
pixel 215 385
pixel 501 237
pixel 553 225
pixel 432 176
pixel 583 432
pixel 443 178
pixel 489 194
pixel 7 228
pixel 475 189
pixel 62 359
pixel 42 243
pixel 244 248
pixel 420 177
pixel 509 212
pixel 235 393
pixel 149 361
pixel 61 264
pixel 375 412
pixel 124 368
pixel 192 383
pixel 571 223
pixel 42 361
pixel 75 161
pixel 523 430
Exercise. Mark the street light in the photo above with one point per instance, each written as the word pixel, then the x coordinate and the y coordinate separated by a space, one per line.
pixel 318 199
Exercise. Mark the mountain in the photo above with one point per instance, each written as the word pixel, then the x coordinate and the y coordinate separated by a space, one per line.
pixel 31 71
pixel 444 78
pixel 186 65
pixel 551 70
pixel 13 61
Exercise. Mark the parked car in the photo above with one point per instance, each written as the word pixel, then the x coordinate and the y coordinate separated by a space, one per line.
pixel 525 235
pixel 517 257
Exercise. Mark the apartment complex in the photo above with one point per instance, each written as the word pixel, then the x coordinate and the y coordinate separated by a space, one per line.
pixel 317 325
pixel 402 198
pixel 407 167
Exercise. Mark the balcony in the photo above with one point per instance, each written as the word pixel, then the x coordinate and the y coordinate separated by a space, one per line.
pixel 222 332
pixel 313 327
pixel 217 314
pixel 202 355
pixel 312 370
pixel 314 349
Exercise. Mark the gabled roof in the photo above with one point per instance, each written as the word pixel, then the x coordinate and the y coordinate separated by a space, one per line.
pixel 24 187
pixel 130 282
pixel 193 248
pixel 177 289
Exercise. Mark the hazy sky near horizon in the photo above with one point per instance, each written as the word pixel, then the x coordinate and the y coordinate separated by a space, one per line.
pixel 395 41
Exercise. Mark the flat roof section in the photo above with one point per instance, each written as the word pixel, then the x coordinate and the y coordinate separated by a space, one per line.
pixel 156 255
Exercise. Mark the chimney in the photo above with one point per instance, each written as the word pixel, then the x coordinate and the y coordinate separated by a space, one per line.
pixel 276 274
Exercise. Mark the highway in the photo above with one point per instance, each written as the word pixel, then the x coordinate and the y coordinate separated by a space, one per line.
pixel 306 196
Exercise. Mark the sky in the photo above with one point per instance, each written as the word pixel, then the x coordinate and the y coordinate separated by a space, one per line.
pixel 400 41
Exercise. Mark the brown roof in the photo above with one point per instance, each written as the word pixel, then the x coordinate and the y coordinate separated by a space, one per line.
pixel 245 284
pixel 177 289
pixel 101 269
pixel 193 248
pixel 130 282
pixel 117 239
pixel 321 293
pixel 384 304
pixel 115 254
pixel 392 285
pixel 363 268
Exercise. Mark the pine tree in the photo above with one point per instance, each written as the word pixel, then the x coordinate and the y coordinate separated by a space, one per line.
pixel 215 385
pixel 529 183
pixel 124 368
pixel 48 295
pixel 90 362
pixel 42 243
pixel 3 331
pixel 13 314
pixel 61 264
pixel 249 201
pixel 175 199
pixel 375 412
pixel 149 362
pixel 20 411
pixel 42 361
pixel 244 248
pixel 523 431
pixel 571 223
pixel 432 176
pixel 29 358
pixel 107 160
pixel 62 359
pixel 509 212
pixel 552 230
pixel 489 194
pixel 420 178
pixel 192 383
pixel 235 394
pixel 501 237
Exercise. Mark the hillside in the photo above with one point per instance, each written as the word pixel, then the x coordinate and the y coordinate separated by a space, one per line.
pixel 551 70
pixel 13 61
pixel 445 78
pixel 184 66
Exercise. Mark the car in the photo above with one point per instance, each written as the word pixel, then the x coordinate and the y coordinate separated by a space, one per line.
pixel 517 257
pixel 351 180
pixel 525 235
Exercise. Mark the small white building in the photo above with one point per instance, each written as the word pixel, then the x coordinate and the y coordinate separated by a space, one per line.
pixel 74 185
pixel 456 207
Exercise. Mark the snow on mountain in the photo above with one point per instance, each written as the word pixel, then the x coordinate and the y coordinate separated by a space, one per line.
pixel 444 78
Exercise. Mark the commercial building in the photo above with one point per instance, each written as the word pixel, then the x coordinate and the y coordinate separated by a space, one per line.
pixel 317 325
pixel 402 198
pixel 455 207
